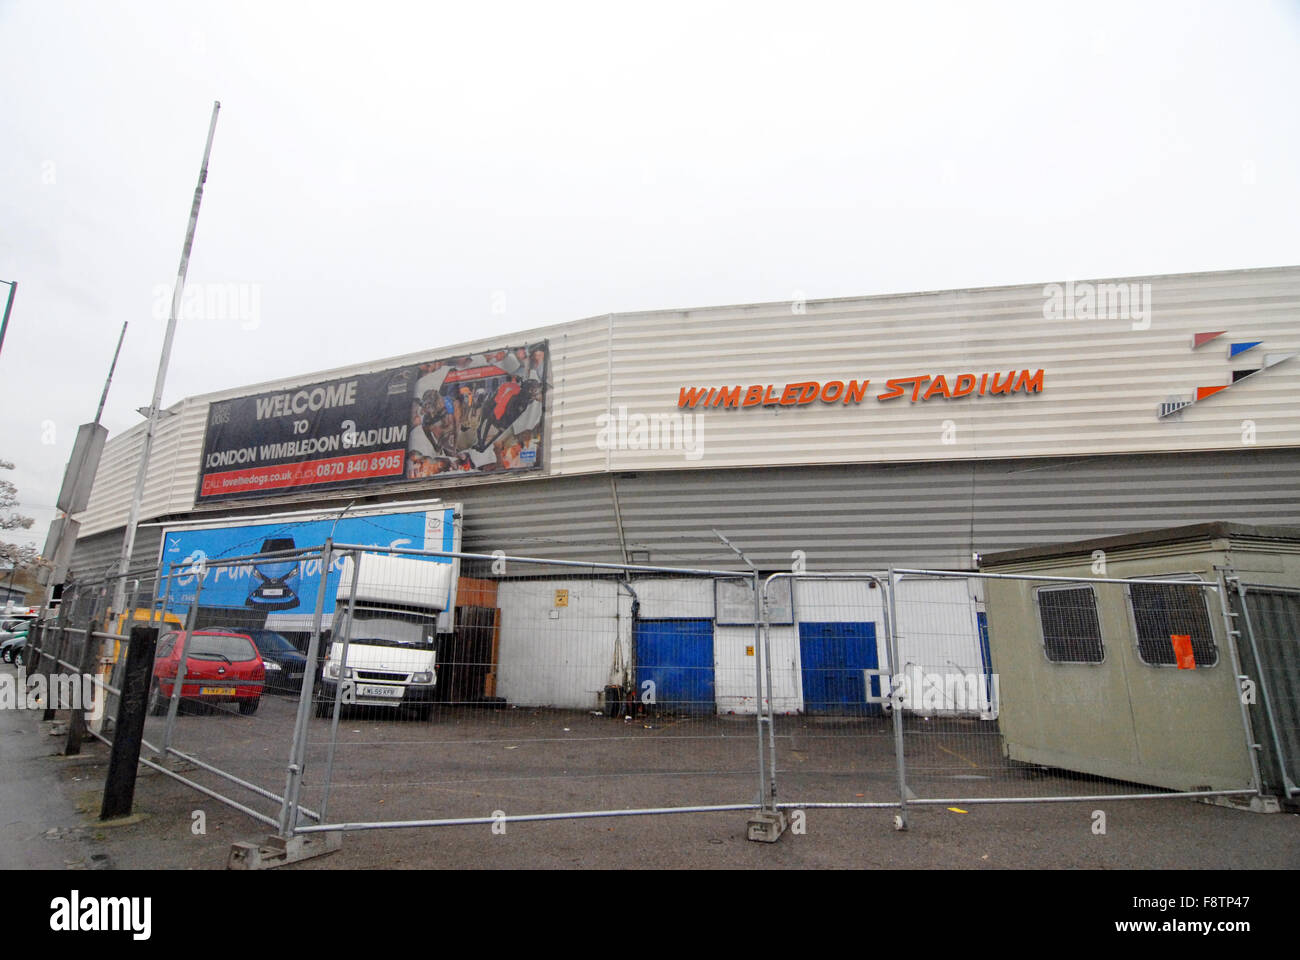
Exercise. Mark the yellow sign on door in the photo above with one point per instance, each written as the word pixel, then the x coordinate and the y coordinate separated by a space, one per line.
pixel 561 598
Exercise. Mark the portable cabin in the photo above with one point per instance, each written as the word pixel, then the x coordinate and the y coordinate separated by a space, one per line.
pixel 1154 684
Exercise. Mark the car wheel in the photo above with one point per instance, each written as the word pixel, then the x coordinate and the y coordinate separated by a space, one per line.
pixel 19 658
pixel 249 707
pixel 7 655
pixel 157 702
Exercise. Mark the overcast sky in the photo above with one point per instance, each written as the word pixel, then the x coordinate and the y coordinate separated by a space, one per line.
pixel 394 178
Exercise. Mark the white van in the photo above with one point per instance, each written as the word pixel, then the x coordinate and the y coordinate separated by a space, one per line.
pixel 391 634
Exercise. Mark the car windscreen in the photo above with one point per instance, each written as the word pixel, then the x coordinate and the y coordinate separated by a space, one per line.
pixel 268 641
pixel 211 646
pixel 389 628
pixel 276 570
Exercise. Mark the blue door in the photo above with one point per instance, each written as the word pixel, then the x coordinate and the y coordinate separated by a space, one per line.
pixel 832 657
pixel 674 665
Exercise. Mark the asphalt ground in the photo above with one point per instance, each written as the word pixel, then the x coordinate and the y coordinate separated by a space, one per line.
pixel 40 826
pixel 471 762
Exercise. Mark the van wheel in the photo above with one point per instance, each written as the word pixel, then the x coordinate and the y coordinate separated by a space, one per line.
pixel 324 708
pixel 424 712
pixel 249 707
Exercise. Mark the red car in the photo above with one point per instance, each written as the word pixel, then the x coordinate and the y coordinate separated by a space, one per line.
pixel 221 667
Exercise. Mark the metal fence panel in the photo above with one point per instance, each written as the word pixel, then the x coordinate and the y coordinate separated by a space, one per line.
pixel 563 689
pixel 1271 618
pixel 973 688
pixel 567 690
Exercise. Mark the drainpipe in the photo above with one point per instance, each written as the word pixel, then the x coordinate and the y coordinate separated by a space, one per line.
pixel 618 519
pixel 629 673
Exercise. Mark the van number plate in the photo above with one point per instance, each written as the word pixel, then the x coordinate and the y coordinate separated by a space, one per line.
pixel 384 692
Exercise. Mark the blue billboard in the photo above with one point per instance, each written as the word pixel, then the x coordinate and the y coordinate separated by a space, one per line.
pixel 285 590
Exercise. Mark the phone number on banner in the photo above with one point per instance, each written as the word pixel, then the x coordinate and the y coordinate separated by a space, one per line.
pixel 331 470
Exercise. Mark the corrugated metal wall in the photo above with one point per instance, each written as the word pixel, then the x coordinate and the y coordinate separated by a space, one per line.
pixel 1104 381
pixel 858 517
pixel 869 516
pixel 96 556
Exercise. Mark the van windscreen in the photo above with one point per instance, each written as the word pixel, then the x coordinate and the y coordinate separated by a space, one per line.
pixel 389 628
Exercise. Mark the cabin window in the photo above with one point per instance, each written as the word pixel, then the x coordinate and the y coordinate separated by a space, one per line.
pixel 1071 628
pixel 1164 610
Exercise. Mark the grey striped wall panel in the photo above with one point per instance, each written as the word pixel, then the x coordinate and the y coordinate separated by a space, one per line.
pixel 852 517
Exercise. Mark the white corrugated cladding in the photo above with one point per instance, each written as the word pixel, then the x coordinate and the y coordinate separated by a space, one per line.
pixel 173 473
pixel 1103 382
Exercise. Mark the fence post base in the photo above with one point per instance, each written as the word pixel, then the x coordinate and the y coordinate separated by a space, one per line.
pixel 277 851
pixel 1256 804
pixel 766 826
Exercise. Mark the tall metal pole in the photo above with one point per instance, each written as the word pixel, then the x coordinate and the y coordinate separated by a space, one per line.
pixel 103 397
pixel 9 305
pixel 128 536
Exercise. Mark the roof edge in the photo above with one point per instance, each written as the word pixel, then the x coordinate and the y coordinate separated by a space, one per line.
pixel 1216 530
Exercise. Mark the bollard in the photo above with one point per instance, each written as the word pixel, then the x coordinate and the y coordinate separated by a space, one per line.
pixel 119 785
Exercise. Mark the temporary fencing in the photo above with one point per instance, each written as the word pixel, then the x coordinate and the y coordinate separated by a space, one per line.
pixel 420 688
